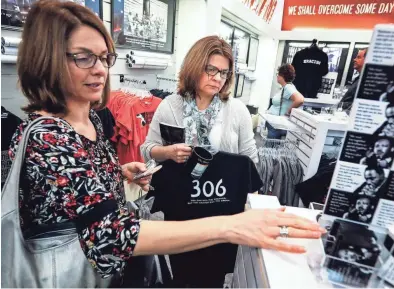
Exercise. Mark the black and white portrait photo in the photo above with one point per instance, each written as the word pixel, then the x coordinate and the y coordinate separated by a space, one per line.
pixel 361 209
pixel 380 153
pixel 374 182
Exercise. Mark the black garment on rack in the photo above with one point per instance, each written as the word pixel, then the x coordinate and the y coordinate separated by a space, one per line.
pixel 108 122
pixel 310 65
pixel 160 93
pixel 9 123
pixel 222 190
pixel 316 188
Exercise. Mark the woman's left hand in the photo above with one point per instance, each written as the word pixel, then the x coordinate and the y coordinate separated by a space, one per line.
pixel 129 170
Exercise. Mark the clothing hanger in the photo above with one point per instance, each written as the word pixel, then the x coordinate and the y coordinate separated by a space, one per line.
pixel 314 44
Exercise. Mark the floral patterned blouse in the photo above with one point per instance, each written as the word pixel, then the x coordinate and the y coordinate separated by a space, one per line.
pixel 69 177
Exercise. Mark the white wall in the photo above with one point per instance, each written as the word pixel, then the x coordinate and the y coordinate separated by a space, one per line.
pixel 265 71
pixel 196 19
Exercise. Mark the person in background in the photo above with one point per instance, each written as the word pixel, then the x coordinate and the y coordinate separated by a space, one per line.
pixel 358 64
pixel 72 174
pixel 285 100
pixel 203 107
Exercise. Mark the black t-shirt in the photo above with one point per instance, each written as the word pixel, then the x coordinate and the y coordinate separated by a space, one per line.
pixel 222 190
pixel 9 123
pixel 310 65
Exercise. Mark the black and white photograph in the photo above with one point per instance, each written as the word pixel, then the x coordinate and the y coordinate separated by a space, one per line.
pixel 353 243
pixel 361 209
pixel 13 12
pixel 348 274
pixel 380 153
pixel 374 184
pixel 387 128
pixel 388 95
pixel 144 24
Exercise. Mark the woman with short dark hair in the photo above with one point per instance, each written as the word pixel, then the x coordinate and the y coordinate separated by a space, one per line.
pixel 285 100
pixel 202 105
pixel 71 174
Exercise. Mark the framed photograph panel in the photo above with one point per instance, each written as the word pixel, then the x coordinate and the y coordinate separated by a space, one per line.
pixel 14 12
pixel 144 24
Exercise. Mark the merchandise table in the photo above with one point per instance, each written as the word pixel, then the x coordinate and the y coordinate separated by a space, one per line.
pixel 261 268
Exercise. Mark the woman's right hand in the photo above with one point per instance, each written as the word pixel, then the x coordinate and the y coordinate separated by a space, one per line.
pixel 261 228
pixel 179 152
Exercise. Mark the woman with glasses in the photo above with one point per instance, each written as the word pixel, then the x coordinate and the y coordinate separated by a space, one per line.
pixel 71 172
pixel 203 107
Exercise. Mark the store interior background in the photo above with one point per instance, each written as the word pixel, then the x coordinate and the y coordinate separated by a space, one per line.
pixel 195 19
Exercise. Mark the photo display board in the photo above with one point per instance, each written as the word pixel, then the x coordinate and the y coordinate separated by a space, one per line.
pixel 144 24
pixel 14 12
pixel 360 204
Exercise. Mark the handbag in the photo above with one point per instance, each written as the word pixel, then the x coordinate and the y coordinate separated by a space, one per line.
pixel 47 256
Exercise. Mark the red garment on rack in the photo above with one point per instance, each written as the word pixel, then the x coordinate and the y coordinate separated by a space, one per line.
pixel 133 116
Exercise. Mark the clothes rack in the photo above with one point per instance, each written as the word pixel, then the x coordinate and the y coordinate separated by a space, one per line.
pixel 132 107
pixel 280 170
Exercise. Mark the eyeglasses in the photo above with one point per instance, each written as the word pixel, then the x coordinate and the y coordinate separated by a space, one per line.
pixel 213 70
pixel 88 60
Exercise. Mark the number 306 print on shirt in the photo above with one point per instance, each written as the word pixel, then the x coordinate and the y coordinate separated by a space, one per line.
pixel 208 192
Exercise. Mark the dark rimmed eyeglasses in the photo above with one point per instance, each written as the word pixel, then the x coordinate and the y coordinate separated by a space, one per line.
pixel 87 60
pixel 213 70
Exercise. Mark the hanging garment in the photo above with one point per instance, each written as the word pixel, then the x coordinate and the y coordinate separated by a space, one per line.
pixel 280 174
pixel 9 123
pixel 160 93
pixel 316 188
pixel 310 65
pixel 133 115
pixel 222 190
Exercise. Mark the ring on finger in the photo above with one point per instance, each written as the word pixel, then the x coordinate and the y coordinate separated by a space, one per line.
pixel 283 231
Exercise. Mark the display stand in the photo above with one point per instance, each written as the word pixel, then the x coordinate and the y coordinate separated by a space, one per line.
pixel 320 134
pixel 261 268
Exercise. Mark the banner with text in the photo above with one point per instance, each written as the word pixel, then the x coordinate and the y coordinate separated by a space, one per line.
pixel 336 14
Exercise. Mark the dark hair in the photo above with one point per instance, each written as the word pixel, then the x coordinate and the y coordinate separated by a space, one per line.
pixel 375 168
pixel 391 104
pixel 365 51
pixel 287 71
pixel 378 138
pixel 42 69
pixel 196 60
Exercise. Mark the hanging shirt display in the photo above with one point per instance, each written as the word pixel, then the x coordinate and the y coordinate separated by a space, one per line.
pixel 9 123
pixel 221 190
pixel 133 115
pixel 310 64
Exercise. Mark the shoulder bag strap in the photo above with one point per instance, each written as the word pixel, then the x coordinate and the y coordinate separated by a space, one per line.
pixel 281 99
pixel 9 194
